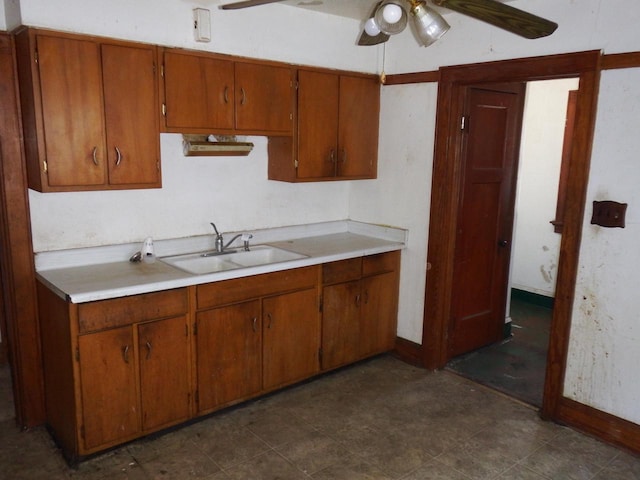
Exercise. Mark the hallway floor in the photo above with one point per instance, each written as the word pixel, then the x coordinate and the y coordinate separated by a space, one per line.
pixel 380 419
pixel 516 366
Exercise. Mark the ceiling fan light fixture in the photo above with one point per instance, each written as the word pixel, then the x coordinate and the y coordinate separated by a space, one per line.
pixel 391 17
pixel 371 27
pixel 428 24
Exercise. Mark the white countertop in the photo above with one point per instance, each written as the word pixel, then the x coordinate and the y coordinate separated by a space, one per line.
pixel 99 273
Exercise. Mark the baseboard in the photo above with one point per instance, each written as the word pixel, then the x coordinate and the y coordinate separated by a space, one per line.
pixel 409 352
pixel 604 426
pixel 534 298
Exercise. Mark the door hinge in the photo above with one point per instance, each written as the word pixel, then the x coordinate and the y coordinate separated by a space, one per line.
pixel 164 109
pixel 295 163
pixel 45 167
pixel 36 58
pixel 162 70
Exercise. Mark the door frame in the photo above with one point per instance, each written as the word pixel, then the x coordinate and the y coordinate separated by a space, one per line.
pixel 446 183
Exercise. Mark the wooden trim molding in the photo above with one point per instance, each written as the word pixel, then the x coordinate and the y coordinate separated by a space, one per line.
pixel 418 77
pixel 409 352
pixel 621 60
pixel 16 253
pixel 607 427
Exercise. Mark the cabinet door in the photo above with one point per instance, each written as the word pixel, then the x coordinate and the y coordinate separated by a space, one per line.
pixel 198 92
pixel 133 132
pixel 229 360
pixel 291 340
pixel 163 348
pixel 264 101
pixel 340 324
pixel 72 110
pixel 108 386
pixel 318 95
pixel 379 310
pixel 358 127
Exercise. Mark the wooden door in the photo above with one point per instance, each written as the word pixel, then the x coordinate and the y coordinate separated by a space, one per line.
pixel 291 340
pixel 318 96
pixel 358 127
pixel 133 130
pixel 199 91
pixel 229 355
pixel 340 324
pixel 110 408
pixel 378 314
pixel 163 348
pixel 490 144
pixel 72 109
pixel 264 101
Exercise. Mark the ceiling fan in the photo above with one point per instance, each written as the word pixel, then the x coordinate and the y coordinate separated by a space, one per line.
pixel 390 17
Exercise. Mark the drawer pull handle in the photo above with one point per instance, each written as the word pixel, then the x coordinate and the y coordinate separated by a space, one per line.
pixel 269 316
pixel 118 157
pixel 125 353
pixel 255 324
pixel 94 156
pixel 226 94
pixel 366 297
pixel 332 156
pixel 243 100
pixel 148 345
pixel 358 300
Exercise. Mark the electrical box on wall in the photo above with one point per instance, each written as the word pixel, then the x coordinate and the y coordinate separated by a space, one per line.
pixel 608 213
pixel 201 25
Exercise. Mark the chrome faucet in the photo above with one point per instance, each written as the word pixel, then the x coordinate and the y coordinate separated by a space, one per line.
pixel 221 246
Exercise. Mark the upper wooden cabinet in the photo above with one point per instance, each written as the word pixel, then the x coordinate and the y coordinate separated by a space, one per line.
pixel 89 112
pixel 208 93
pixel 336 135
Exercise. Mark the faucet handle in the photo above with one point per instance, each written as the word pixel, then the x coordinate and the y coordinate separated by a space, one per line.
pixel 215 229
pixel 245 238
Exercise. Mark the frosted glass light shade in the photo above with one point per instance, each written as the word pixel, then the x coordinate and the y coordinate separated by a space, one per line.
pixel 392 10
pixel 428 24
pixel 371 27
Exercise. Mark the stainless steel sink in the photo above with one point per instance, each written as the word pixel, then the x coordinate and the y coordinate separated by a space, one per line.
pixel 201 263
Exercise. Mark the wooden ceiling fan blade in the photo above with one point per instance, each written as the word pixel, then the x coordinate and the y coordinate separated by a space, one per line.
pixel 246 4
pixel 366 39
pixel 502 16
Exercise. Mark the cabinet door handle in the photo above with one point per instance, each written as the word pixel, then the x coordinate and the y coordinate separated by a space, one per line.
pixel 226 94
pixel 332 156
pixel 358 300
pixel 270 320
pixel 148 345
pixel 255 324
pixel 344 155
pixel 243 98
pixel 94 155
pixel 125 353
pixel 118 157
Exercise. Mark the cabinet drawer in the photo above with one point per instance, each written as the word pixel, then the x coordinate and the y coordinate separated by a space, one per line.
pixel 383 262
pixel 240 289
pixel 342 270
pixel 127 310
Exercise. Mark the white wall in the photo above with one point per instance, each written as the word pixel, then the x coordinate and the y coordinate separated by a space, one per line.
pixel 536 246
pixel 197 191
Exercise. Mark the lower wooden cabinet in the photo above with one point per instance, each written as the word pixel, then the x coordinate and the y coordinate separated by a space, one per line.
pixel 122 368
pixel 256 334
pixel 360 305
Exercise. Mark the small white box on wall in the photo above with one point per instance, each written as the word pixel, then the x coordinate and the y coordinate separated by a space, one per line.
pixel 201 25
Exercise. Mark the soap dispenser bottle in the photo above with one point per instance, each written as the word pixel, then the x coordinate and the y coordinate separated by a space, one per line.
pixel 148 256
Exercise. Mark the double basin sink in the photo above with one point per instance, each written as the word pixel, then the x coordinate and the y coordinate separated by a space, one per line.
pixel 212 262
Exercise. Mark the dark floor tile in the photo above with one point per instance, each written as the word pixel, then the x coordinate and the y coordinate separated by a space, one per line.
pixel 624 467
pixel 185 462
pixel 268 466
pixel 351 468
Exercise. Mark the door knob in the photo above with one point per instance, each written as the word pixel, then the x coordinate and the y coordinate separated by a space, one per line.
pixel 503 243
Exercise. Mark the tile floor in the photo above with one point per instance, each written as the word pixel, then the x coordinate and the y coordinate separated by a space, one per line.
pixel 381 419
